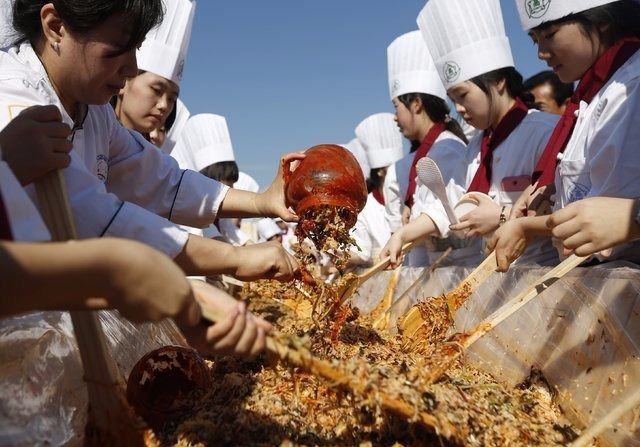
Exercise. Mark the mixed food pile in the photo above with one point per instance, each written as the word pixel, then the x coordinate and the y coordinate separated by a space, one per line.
pixel 385 391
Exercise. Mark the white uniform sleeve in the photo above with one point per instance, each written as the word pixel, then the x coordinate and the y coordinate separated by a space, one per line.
pixel 393 203
pixel 142 174
pixel 450 156
pixel 232 233
pixel 361 235
pixel 97 213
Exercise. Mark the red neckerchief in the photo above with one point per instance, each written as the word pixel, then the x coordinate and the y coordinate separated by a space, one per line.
pixel 491 140
pixel 422 152
pixel 377 194
pixel 5 227
pixel 590 84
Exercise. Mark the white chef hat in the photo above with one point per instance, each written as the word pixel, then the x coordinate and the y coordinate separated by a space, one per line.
pixel 7 33
pixel 182 116
pixel 534 13
pixel 411 68
pixel 465 37
pixel 164 51
pixel 381 139
pixel 355 147
pixel 246 183
pixel 267 228
pixel 205 140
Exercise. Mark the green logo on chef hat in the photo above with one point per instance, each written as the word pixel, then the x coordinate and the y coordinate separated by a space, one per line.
pixel 537 8
pixel 451 71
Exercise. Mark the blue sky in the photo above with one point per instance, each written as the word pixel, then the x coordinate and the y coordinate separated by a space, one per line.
pixel 289 74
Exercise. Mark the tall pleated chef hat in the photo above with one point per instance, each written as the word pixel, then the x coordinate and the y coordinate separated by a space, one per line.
pixel 381 139
pixel 534 13
pixel 246 183
pixel 466 38
pixel 182 116
pixel 205 140
pixel 355 147
pixel 7 33
pixel 411 68
pixel 267 228
pixel 164 51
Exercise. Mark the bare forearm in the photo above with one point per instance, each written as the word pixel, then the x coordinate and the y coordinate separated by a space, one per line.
pixel 419 228
pixel 53 276
pixel 238 203
pixel 202 256
pixel 535 226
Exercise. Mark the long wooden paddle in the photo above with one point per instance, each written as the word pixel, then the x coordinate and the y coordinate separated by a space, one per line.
pixel 414 320
pixel 290 350
pixel 110 421
pixel 382 322
pixel 464 340
pixel 628 403
pixel 352 284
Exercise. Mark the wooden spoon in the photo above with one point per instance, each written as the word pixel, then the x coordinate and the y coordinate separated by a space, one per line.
pixel 352 284
pixel 413 321
pixel 110 421
pixel 463 341
pixel 291 351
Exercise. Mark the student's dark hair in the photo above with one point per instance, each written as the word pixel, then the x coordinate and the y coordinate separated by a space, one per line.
pixel 561 91
pixel 168 124
pixel 437 110
pixel 513 82
pixel 82 16
pixel 609 22
pixel 375 181
pixel 223 171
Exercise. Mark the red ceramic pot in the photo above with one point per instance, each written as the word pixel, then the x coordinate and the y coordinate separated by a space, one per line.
pixel 161 381
pixel 329 175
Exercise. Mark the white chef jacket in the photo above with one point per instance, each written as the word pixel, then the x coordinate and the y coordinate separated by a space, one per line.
pixel 602 157
pixel 25 221
pixel 517 156
pixel 393 201
pixel 450 154
pixel 232 233
pixel 371 231
pixel 118 183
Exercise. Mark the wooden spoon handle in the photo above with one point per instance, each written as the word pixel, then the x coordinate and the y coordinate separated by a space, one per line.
pixel 384 263
pixel 512 306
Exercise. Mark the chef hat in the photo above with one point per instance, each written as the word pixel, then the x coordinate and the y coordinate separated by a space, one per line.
pixel 355 147
pixel 465 37
pixel 204 141
pixel 381 139
pixel 246 183
pixel 267 228
pixel 534 13
pixel 411 68
pixel 182 116
pixel 7 33
pixel 164 51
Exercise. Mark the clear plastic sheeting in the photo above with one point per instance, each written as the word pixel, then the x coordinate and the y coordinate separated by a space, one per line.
pixel 44 398
pixel 583 333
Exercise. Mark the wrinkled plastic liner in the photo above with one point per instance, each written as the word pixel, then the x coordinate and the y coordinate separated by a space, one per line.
pixel 583 333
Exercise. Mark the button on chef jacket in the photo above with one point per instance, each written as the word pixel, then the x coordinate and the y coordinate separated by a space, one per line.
pixel 517 156
pixel 118 183
pixel 602 157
